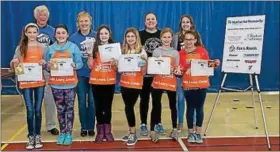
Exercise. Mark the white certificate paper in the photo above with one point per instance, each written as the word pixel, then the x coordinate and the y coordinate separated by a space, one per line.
pixel 109 51
pixel 201 68
pixel 64 67
pixel 129 63
pixel 32 72
pixel 159 65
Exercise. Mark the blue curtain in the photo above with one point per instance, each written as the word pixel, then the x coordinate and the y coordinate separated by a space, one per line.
pixel 209 18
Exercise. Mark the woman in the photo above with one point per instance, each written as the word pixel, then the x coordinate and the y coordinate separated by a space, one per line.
pixel 82 38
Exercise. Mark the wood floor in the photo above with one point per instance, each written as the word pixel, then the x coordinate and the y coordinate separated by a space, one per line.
pixel 233 117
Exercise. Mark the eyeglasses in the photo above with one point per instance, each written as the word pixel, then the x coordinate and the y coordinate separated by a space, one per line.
pixel 189 39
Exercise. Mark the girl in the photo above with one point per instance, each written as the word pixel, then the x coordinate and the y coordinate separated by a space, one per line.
pixel 194 86
pixel 63 87
pixel 103 79
pixel 150 39
pixel 30 51
pixel 131 82
pixel 166 83
pixel 84 89
pixel 186 24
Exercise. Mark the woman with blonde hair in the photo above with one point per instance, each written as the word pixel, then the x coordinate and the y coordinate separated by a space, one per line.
pixel 84 39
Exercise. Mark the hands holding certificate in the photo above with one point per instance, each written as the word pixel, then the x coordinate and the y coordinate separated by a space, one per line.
pixel 61 67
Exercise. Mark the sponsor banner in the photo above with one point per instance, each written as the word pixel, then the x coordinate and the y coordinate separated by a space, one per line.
pixel 243 44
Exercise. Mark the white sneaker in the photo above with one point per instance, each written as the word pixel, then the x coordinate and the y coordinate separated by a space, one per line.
pixel 38 142
pixel 30 142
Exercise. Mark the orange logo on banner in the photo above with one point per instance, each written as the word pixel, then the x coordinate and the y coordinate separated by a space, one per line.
pixel 194 81
pixel 102 73
pixel 62 80
pixel 166 82
pixel 33 55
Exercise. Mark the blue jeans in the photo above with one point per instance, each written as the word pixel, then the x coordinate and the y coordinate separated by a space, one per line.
pixel 34 125
pixel 195 102
pixel 181 102
pixel 86 104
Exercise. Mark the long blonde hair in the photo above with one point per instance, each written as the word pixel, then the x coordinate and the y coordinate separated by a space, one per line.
pixel 125 46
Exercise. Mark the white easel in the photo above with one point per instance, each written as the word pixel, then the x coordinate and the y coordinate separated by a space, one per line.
pixel 242 54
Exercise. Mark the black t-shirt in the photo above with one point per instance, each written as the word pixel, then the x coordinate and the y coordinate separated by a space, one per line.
pixel 150 41
pixel 180 45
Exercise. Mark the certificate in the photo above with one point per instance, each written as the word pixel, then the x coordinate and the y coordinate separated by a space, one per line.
pixel 201 68
pixel 64 67
pixel 129 63
pixel 32 72
pixel 159 65
pixel 109 51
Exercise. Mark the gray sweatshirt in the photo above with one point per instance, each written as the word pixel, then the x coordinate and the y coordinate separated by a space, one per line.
pixel 169 52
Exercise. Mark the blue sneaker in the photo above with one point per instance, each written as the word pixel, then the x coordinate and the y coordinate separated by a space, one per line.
pixel 159 129
pixel 143 130
pixel 68 139
pixel 191 138
pixel 60 139
pixel 198 139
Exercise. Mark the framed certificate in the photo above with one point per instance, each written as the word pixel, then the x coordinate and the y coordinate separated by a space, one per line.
pixel 202 68
pixel 129 63
pixel 63 67
pixel 109 51
pixel 32 72
pixel 159 65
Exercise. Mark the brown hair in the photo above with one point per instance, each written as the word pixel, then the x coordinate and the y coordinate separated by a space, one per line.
pixel 98 41
pixel 197 37
pixel 138 45
pixel 166 30
pixel 23 44
pixel 192 28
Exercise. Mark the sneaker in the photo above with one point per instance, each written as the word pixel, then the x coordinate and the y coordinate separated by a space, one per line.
pixel 60 139
pixel 198 139
pixel 30 143
pixel 38 142
pixel 154 137
pixel 68 139
pixel 174 134
pixel 143 130
pixel 132 139
pixel 180 127
pixel 125 137
pixel 159 129
pixel 191 138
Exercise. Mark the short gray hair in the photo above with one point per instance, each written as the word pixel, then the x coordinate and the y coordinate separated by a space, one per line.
pixel 41 8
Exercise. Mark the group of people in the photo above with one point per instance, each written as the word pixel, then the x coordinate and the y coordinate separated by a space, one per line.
pixel 94 81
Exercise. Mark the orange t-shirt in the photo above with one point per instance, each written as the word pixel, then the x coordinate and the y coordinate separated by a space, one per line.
pixel 166 82
pixel 33 55
pixel 102 73
pixel 194 81
pixel 63 80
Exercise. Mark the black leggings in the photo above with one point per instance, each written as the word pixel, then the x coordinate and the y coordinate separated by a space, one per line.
pixel 144 99
pixel 130 97
pixel 195 101
pixel 103 97
pixel 156 110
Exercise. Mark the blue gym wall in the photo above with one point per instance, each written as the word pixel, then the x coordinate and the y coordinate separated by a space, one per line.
pixel 209 18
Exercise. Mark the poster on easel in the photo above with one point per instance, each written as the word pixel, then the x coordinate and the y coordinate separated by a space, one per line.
pixel 243 44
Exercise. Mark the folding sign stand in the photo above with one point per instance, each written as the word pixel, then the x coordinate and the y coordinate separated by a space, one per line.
pixel 253 101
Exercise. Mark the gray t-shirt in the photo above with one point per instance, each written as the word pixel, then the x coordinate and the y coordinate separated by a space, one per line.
pixel 169 52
